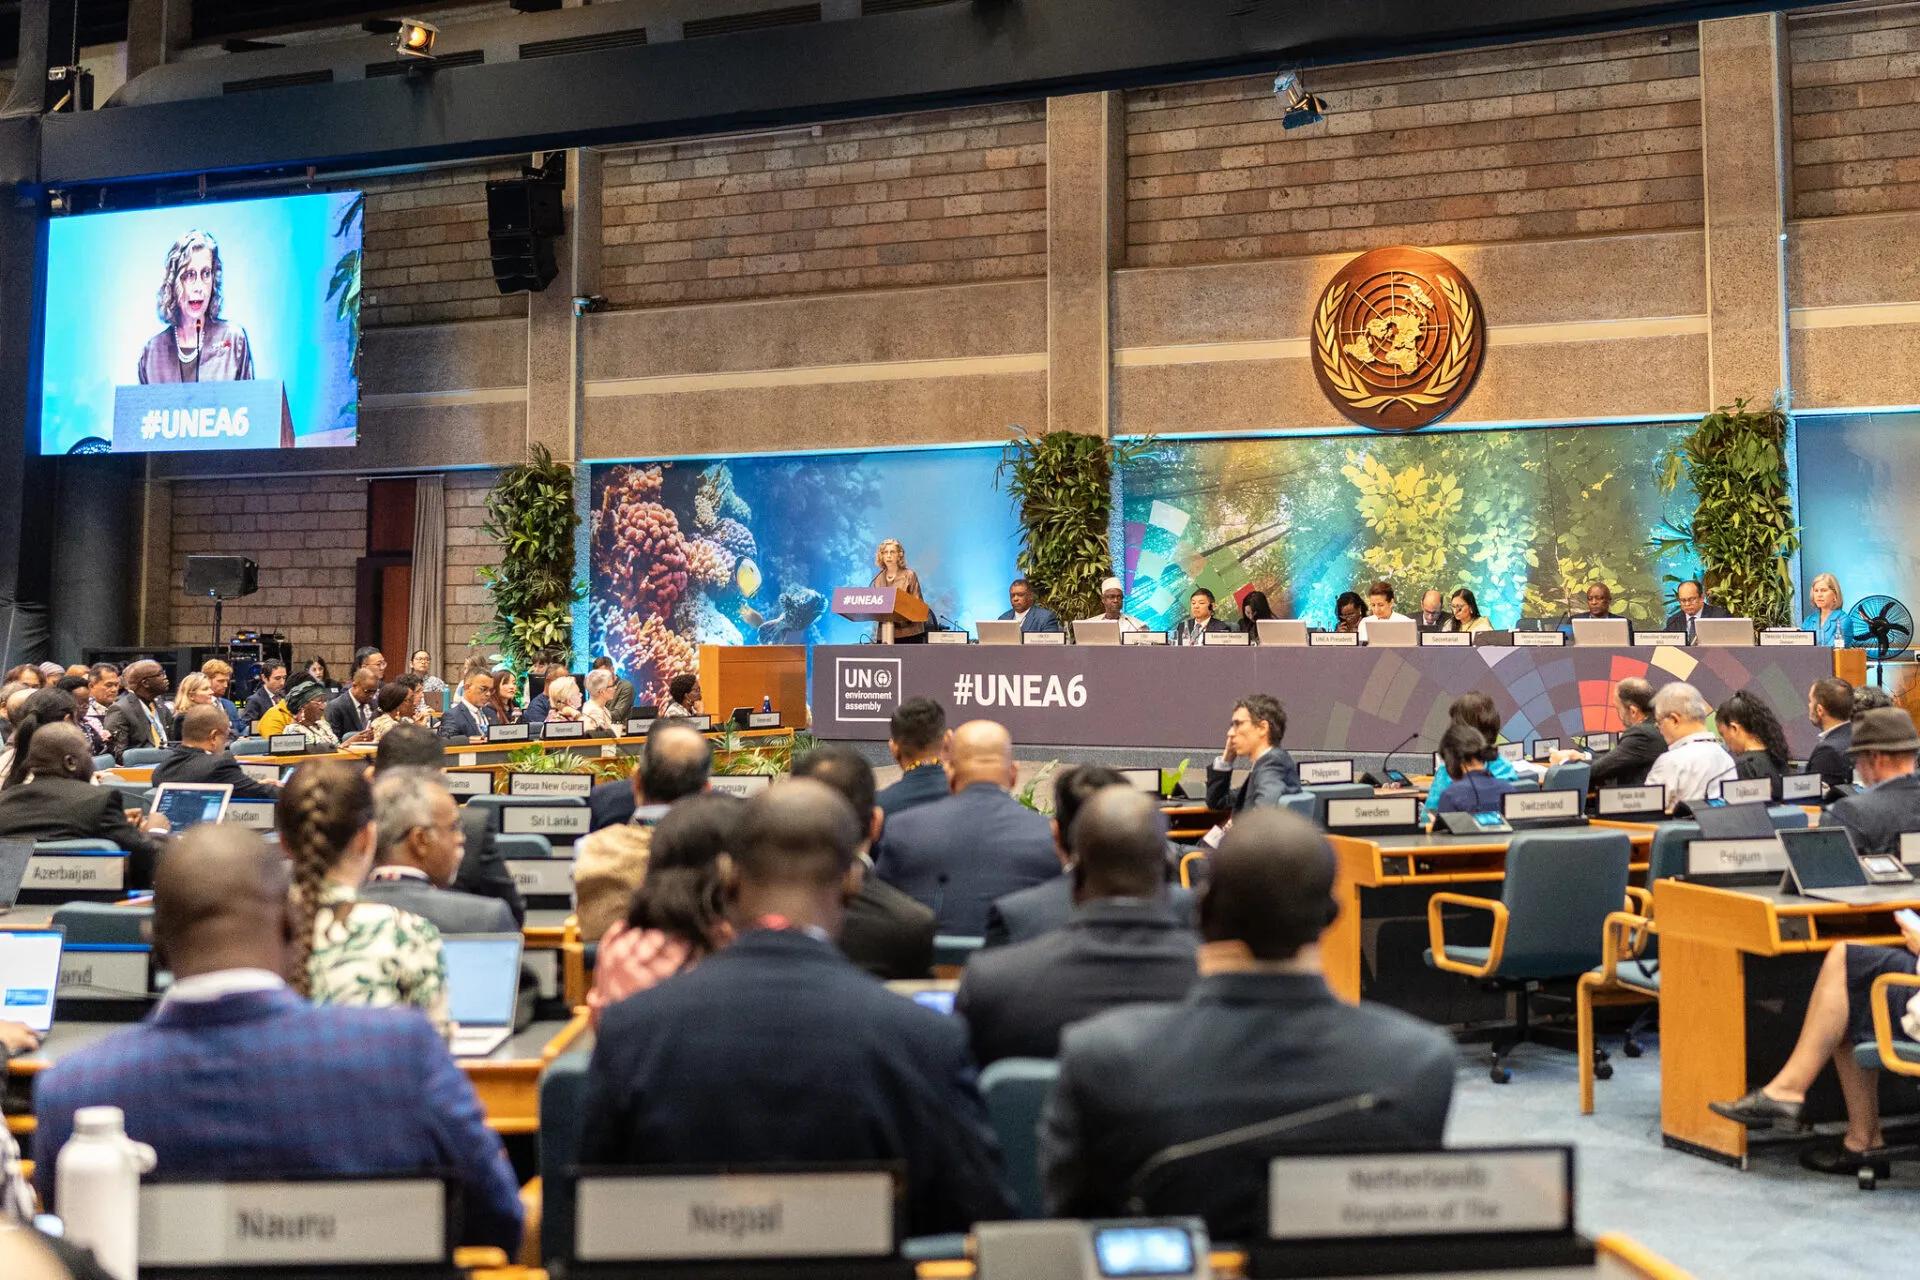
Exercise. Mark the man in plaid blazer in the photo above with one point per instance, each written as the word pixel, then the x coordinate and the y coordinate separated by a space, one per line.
pixel 234 1074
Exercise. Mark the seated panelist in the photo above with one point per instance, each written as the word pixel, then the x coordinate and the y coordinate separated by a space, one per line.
pixel 1113 599
pixel 1199 619
pixel 1030 616
pixel 1829 621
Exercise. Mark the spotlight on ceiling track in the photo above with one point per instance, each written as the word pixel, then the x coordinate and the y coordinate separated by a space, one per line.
pixel 415 39
pixel 1302 108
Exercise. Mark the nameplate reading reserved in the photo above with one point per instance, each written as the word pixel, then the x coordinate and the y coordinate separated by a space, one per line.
pixel 1660 637
pixel 1747 791
pixel 380 1221
pixel 1333 639
pixel 744 785
pixel 1539 639
pixel 1537 806
pixel 542 877
pixel 287 744
pixel 1359 814
pixel 1446 640
pixel 1427 1194
pixel 1614 801
pixel 556 729
pixel 116 973
pixel 1240 638
pixel 1143 637
pixel 1730 857
pixel 948 637
pixel 686 1219
pixel 763 720
pixel 509 733
pixel 88 872
pixel 576 785
pixel 262 772
pixel 638 728
pixel 1325 773
pixel 468 784
pixel 252 815
pixel 1786 638
pixel 543 820
pixel 1043 637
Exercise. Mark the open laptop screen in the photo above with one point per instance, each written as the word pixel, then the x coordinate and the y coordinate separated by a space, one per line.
pixel 1823 858
pixel 1733 822
pixel 188 804
pixel 29 972
pixel 483 978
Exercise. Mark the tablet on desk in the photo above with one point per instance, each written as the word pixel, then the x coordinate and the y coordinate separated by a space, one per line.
pixel 188 804
pixel 29 974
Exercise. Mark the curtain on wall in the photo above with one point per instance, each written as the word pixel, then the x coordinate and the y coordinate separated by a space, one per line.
pixel 427 607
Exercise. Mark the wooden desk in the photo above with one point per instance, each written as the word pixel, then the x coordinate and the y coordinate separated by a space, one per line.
pixel 1737 965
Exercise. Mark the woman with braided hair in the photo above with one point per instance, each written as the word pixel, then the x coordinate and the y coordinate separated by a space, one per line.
pixel 344 951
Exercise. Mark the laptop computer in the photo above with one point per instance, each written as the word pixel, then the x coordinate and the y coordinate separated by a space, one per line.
pixel 1723 633
pixel 1392 633
pixel 1822 863
pixel 14 857
pixel 1602 631
pixel 998 632
pixel 1733 821
pixel 188 804
pixel 483 989
pixel 1291 632
pixel 29 975
pixel 1096 631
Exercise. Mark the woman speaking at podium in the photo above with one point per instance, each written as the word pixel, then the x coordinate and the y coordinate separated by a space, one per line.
pixel 892 559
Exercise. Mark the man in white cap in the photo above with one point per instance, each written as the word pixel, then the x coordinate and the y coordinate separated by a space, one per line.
pixel 1112 596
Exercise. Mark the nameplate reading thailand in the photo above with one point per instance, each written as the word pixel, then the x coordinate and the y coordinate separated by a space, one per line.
pixel 104 972
pixel 509 733
pixel 1325 773
pixel 1786 638
pixel 1747 791
pixel 262 772
pixel 287 744
pixel 468 784
pixel 542 820
pixel 763 720
pixel 1380 811
pixel 1043 637
pixel 1446 640
pixel 1661 637
pixel 542 877
pixel 1735 857
pixel 1431 1194
pixel 187 417
pixel 1539 639
pixel 1228 638
pixel 948 637
pixel 1332 640
pixel 685 1219
pixel 386 1221
pixel 78 871
pixel 1539 806
pixel 1618 801
pixel 638 727
pixel 576 785
pixel 744 785
pixel 1802 786
pixel 253 815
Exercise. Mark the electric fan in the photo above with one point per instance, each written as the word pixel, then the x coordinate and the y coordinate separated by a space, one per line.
pixel 1885 630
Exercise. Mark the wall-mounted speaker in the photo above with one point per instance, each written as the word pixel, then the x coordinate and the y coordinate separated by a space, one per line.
pixel 222 577
pixel 524 218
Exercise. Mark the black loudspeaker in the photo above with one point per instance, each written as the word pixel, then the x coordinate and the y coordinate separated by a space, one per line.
pixel 222 577
pixel 523 219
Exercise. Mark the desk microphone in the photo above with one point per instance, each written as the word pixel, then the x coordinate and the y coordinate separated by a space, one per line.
pixel 1249 1135
pixel 1387 764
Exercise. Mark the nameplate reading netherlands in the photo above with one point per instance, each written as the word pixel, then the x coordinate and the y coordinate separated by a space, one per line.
pixel 384 1221
pixel 543 820
pixel 622 1218
pixel 1429 1194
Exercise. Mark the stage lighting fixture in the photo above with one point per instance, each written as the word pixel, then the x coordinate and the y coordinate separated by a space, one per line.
pixel 415 38
pixel 1303 108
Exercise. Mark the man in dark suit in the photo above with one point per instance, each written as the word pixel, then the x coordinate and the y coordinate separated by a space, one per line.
pixel 622 705
pixel 1027 913
pixel 1259 723
pixel 917 741
pixel 202 756
pixel 60 803
pixel 1692 599
pixel 1640 742
pixel 420 850
pixel 886 932
pixel 1030 616
pixel 1258 1038
pixel 234 1075
pixel 272 685
pixel 471 712
pixel 957 855
pixel 483 872
pixel 138 718
pixel 1123 945
pixel 352 713
pixel 1830 707
pixel 776 1049
pixel 1882 746
pixel 1433 615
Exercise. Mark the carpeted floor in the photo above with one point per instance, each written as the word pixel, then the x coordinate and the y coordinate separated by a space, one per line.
pixel 1773 1222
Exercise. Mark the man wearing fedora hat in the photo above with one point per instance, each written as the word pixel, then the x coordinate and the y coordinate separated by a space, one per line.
pixel 1839 1015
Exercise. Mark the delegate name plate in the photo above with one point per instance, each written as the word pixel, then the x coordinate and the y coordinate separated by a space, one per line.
pixel 554 730
pixel 1143 637
pixel 509 733
pixel 1786 638
pixel 575 785
pixel 1333 639
pixel 1747 791
pixel 1539 806
pixel 468 784
pixel 1228 638
pixel 90 971
pixel 82 871
pixel 1616 801
pixel 949 637
pixel 1043 637
pixel 810 1215
pixel 1361 814
pixel 1735 857
pixel 253 815
pixel 378 1221
pixel 262 772
pixel 1539 639
pixel 287 744
pixel 1325 773
pixel 542 877
pixel 744 785
pixel 638 727
pixel 763 720
pixel 1657 638
pixel 1802 786
pixel 1493 1192
pixel 545 820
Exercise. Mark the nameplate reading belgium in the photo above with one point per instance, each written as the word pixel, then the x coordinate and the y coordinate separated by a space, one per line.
pixel 179 417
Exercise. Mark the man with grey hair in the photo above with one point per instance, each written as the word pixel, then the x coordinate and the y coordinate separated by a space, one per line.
pixel 1694 761
pixel 421 846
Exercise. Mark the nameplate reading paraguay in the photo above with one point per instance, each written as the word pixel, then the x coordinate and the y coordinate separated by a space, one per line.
pixel 685 1219
pixel 543 820
pixel 744 785
pixel 1429 1194
pixel 386 1221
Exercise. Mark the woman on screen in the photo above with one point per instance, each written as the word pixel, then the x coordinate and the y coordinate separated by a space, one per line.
pixel 198 344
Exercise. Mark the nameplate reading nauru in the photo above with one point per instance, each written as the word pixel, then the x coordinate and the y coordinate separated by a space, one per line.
pixel 1492 1192
pixel 687 1219
pixel 542 820
pixel 383 1221
pixel 574 785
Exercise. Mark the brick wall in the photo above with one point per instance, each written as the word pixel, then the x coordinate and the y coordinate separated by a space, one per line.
pixel 933 198
pixel 468 550
pixel 1520 142
pixel 1856 111
pixel 304 532
pixel 426 249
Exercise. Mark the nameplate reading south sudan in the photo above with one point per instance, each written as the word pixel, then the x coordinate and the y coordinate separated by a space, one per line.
pixel 576 785
pixel 509 733
pixel 1492 1192
pixel 1446 640
pixel 287 744
pixel 383 1221
pixel 1733 857
pixel 252 815
pixel 1228 638
pixel 78 872
pixel 1043 637
pixel 1360 814
pixel 1660 637
pixel 1786 638
pixel 685 1219
pixel 542 820
pixel 553 730
pixel 468 784
pixel 1332 639
pixel 1325 773
pixel 1539 639
pixel 1143 637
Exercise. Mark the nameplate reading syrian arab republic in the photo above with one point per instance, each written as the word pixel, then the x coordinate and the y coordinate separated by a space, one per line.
pixel 810 1215
pixel 1143 637
pixel 948 637
pixel 1446 640
pixel 253 815
pixel 1731 857
pixel 1538 805
pixel 1660 637
pixel 468 784
pixel 287 744
pixel 1325 773
pixel 576 785
pixel 509 733
pixel 1228 638
pixel 1786 638
pixel 88 872
pixel 384 1221
pixel 744 785
pixel 262 772
pixel 1333 639
pixel 542 877
pixel 1512 751
pixel 1397 338
pixel 1043 637
pixel 104 973
pixel 1380 811
pixel 1802 786
pixel 1539 639
pixel 1614 801
pixel 763 720
pixel 1429 1194
pixel 1544 747
pixel 638 728
pixel 541 820
pixel 554 730
pixel 1747 791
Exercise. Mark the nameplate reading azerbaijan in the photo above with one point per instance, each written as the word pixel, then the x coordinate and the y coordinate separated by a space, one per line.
pixel 190 417
pixel 384 1221
pixel 81 871
pixel 1491 1192
pixel 629 1218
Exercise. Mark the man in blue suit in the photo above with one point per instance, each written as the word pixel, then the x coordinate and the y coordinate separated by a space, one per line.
pixel 234 1074
pixel 1254 733
pixel 470 713
pixel 777 1049
pixel 1030 616
pixel 957 855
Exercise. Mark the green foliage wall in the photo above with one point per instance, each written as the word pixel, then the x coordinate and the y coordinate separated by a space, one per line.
pixel 530 513
pixel 1742 527
pixel 1063 484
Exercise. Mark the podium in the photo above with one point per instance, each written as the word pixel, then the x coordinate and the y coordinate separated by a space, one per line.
pixel 885 605
pixel 739 675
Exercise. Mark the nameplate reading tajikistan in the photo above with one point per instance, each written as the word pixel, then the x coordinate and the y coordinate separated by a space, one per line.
pixel 508 733
pixel 83 872
pixel 1428 1194
pixel 1332 639
pixel 1733 857
pixel 541 820
pixel 1325 773
pixel 384 1221
pixel 1446 640
pixel 685 1219
pixel 576 785
pixel 1380 811
pixel 1747 791
pixel 1786 638
pixel 1043 637
pixel 1539 639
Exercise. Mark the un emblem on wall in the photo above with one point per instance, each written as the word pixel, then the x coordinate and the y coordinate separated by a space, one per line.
pixel 1397 339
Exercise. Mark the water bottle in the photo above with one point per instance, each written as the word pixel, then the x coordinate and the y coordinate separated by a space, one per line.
pixel 97 1182
pixel 766 703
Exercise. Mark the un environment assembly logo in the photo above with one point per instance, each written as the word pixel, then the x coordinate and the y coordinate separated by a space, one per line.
pixel 866 688
pixel 1397 338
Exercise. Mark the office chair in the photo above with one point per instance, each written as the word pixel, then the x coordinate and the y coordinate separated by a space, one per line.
pixel 1015 1090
